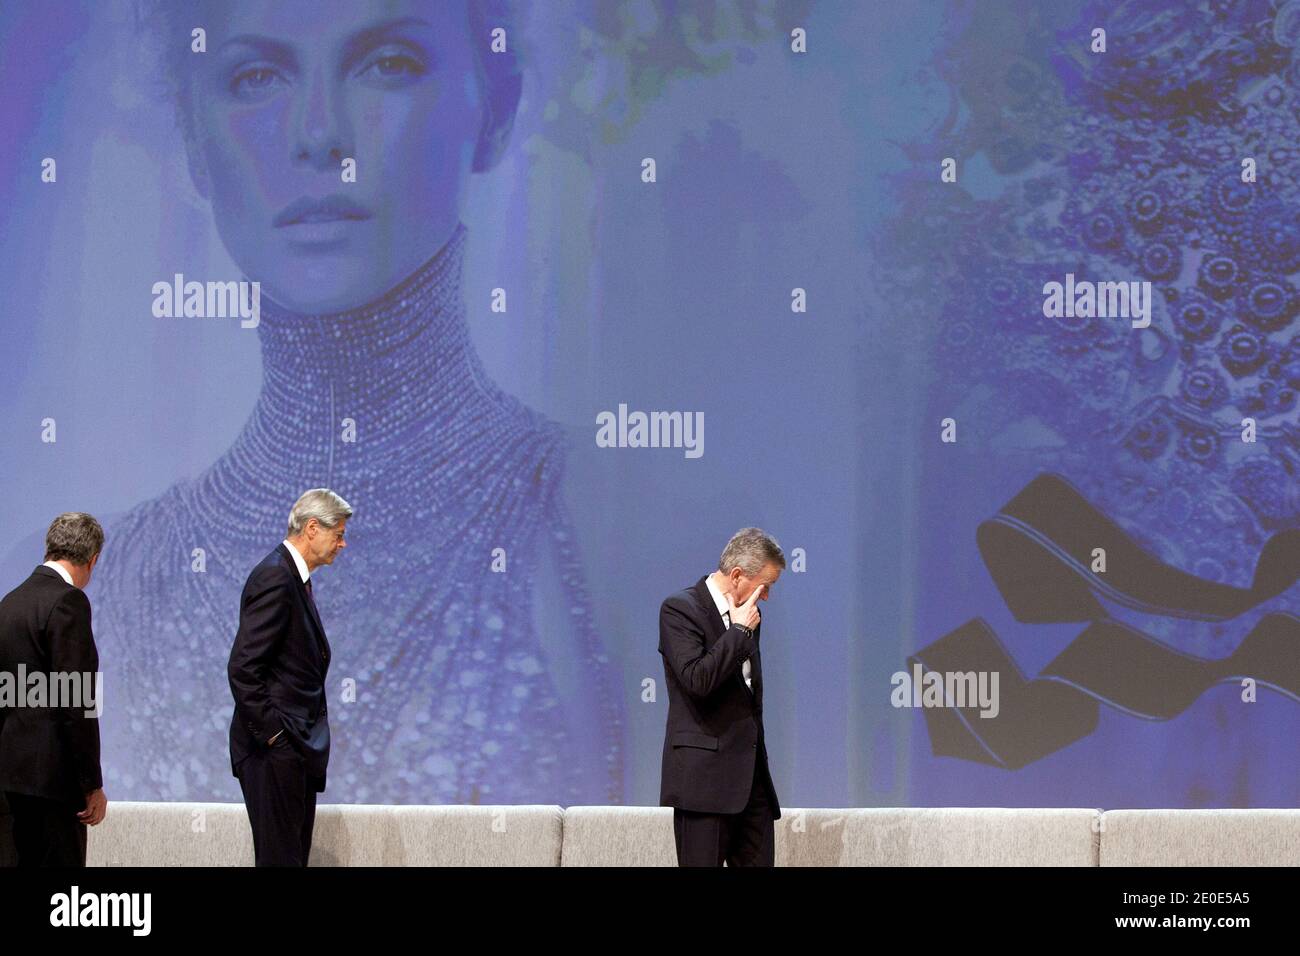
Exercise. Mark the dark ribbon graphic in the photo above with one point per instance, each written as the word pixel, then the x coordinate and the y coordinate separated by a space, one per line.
pixel 1109 663
pixel 1039 550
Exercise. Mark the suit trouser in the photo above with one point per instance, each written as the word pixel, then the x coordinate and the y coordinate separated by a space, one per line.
pixel 281 801
pixel 747 838
pixel 46 832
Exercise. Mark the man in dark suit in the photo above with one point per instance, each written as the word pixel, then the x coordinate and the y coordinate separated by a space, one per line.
pixel 49 744
pixel 280 734
pixel 715 772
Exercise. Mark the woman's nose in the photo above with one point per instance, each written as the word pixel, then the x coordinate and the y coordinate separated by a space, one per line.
pixel 322 137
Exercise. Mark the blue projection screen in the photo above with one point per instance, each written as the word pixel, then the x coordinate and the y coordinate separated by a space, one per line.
pixel 987 311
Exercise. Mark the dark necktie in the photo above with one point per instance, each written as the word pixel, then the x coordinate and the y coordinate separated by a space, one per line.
pixel 312 600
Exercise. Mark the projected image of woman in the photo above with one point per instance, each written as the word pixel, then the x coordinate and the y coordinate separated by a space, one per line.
pixel 460 611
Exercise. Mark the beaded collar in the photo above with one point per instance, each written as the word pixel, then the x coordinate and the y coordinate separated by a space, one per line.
pixel 453 705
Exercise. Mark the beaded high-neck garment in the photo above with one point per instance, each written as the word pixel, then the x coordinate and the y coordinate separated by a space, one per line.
pixel 455 700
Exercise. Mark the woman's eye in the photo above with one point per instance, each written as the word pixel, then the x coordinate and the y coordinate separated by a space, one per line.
pixel 394 67
pixel 254 82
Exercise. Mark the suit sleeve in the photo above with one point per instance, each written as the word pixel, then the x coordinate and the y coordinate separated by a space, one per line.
pixel 700 672
pixel 263 620
pixel 73 651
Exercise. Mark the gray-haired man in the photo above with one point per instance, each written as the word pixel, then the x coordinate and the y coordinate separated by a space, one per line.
pixel 715 773
pixel 280 734
pixel 49 748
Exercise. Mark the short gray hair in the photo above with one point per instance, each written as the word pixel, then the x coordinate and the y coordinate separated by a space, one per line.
pixel 319 503
pixel 749 549
pixel 75 537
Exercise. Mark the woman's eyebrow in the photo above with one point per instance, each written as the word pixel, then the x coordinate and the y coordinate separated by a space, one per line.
pixel 263 45
pixel 370 36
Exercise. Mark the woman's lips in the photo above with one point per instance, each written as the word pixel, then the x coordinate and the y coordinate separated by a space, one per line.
pixel 324 231
pixel 326 220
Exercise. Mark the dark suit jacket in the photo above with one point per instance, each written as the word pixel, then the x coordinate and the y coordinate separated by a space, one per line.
pixel 715 724
pixel 46 751
pixel 277 668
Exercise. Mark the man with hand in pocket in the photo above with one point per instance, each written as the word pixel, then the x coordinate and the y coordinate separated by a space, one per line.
pixel 280 733
pixel 715 772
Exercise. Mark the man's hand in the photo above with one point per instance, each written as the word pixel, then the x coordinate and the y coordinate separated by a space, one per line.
pixel 746 615
pixel 96 808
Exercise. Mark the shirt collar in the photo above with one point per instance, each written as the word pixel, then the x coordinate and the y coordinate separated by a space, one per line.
pixel 719 599
pixel 63 572
pixel 297 560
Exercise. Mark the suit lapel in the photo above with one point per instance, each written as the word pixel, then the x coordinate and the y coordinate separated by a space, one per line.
pixel 714 629
pixel 308 604
pixel 712 619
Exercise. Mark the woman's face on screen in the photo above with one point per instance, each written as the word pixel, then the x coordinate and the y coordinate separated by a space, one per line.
pixel 287 93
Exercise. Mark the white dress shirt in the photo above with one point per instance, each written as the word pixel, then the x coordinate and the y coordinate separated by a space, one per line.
pixel 297 559
pixel 63 572
pixel 721 602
